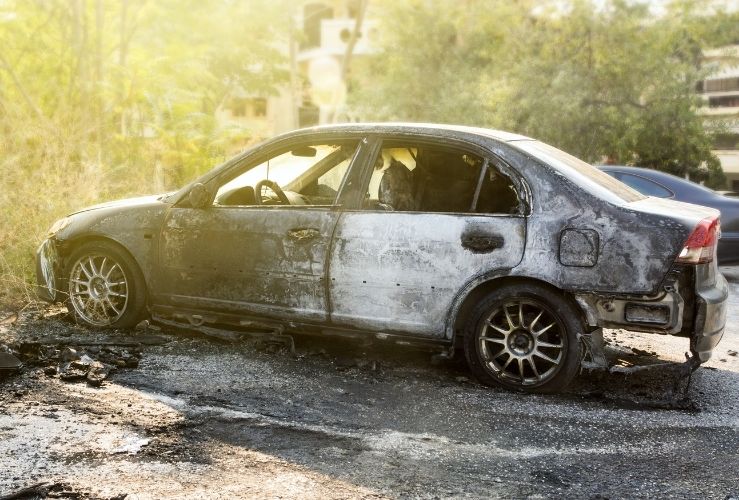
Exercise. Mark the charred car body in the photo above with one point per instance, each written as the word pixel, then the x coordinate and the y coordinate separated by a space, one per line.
pixel 460 236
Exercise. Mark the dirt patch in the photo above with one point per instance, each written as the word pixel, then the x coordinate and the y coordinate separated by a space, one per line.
pixel 200 417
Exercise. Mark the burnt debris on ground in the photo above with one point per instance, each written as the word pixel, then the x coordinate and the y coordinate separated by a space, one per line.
pixel 47 489
pixel 72 363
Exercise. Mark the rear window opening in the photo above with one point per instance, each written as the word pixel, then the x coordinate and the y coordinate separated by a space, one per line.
pixel 413 177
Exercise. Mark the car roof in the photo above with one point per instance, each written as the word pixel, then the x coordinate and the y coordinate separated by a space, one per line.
pixel 670 181
pixel 410 127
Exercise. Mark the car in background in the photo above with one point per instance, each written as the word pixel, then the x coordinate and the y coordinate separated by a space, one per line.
pixel 663 185
pixel 490 242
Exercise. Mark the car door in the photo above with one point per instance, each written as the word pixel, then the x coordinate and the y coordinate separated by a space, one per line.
pixel 398 269
pixel 239 256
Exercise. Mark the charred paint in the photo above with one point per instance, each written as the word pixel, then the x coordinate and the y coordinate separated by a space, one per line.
pixel 578 247
pixel 409 273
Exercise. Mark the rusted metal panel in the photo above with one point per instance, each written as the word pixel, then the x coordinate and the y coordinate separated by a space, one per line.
pixel 269 261
pixel 579 247
pixel 134 224
pixel 400 272
pixel 637 245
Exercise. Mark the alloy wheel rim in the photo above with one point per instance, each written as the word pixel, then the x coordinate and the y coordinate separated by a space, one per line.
pixel 98 289
pixel 522 342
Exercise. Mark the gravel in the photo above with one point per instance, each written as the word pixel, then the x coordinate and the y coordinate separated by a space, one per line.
pixel 201 418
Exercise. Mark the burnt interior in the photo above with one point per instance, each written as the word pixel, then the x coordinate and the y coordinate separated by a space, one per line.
pixel 406 176
pixel 433 178
pixel 306 175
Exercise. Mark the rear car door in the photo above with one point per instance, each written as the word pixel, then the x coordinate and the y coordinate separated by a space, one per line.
pixel 434 217
pixel 267 256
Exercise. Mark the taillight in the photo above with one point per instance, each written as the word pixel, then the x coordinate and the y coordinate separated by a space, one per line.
pixel 701 243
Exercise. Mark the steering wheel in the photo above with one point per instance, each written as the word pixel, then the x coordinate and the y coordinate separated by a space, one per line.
pixel 275 189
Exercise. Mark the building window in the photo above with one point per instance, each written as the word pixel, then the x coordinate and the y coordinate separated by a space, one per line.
pixel 308 116
pixel 238 107
pixel 726 141
pixel 721 85
pixel 723 102
pixel 260 107
pixel 255 107
pixel 313 14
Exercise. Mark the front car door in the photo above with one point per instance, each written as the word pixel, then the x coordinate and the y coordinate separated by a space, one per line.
pixel 260 248
pixel 435 217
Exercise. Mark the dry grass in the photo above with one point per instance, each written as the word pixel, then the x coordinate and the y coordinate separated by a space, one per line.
pixel 44 181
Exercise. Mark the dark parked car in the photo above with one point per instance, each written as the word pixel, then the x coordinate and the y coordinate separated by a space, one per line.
pixel 664 185
pixel 488 241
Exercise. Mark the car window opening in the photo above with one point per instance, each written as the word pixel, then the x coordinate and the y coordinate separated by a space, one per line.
pixel 419 178
pixel 645 186
pixel 306 175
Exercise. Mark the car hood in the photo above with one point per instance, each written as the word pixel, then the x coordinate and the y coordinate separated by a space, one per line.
pixel 127 202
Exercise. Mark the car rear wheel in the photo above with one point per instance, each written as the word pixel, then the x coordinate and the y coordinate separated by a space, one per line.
pixel 105 287
pixel 524 337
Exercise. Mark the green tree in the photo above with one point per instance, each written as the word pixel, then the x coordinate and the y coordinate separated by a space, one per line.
pixel 598 79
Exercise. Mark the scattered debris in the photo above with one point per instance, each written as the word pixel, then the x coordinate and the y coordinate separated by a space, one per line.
pixel 253 330
pixel 72 364
pixel 50 490
pixel 40 489
pixel 73 371
pixel 594 357
pixel 97 373
pixel 680 374
pixel 131 446
pixel 641 352
pixel 9 363
pixel 132 341
pixel 731 352
pixel 9 320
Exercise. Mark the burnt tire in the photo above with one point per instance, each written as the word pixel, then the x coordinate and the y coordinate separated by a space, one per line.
pixel 105 287
pixel 524 337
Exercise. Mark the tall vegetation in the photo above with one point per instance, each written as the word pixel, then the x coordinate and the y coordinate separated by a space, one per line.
pixel 102 99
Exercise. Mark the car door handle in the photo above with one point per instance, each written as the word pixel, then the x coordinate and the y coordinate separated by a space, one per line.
pixel 303 234
pixel 482 242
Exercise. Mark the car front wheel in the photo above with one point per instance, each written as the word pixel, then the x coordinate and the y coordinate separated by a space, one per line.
pixel 105 286
pixel 524 337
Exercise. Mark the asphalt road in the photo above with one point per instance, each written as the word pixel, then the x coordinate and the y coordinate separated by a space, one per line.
pixel 206 419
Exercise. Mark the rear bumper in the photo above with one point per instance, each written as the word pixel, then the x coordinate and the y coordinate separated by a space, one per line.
pixel 712 294
pixel 692 304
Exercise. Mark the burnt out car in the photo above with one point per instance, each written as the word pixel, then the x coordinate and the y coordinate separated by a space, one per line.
pixel 468 238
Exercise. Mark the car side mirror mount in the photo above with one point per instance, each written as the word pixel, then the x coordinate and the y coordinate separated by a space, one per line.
pixel 198 196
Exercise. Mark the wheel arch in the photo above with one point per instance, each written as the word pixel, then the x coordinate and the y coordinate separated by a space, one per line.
pixel 72 244
pixel 477 289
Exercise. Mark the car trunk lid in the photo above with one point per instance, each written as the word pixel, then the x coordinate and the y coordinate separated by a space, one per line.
pixel 686 214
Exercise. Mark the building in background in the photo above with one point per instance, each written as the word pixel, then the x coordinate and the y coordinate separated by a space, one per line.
pixel 720 92
pixel 335 33
pixel 326 39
